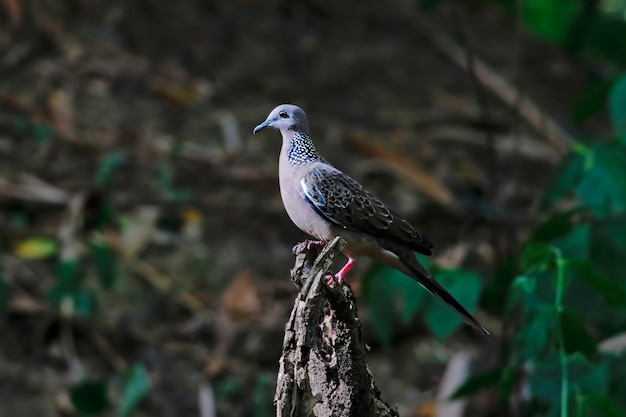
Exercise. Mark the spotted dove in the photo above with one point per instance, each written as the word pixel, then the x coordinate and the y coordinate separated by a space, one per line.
pixel 324 202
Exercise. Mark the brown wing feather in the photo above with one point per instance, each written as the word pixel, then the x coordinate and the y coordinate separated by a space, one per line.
pixel 343 201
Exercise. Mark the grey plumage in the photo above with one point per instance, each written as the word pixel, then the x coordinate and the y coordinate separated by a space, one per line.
pixel 324 202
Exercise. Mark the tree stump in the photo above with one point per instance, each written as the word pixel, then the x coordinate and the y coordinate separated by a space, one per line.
pixel 323 369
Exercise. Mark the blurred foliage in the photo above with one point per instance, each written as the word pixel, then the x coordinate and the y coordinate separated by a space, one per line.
pixel 384 287
pixel 135 385
pixel 261 397
pixel 570 291
pixel 594 32
pixel 36 248
pixel 90 397
pixel 560 297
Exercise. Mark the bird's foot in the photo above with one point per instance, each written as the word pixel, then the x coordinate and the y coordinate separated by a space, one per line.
pixel 310 244
pixel 331 279
pixel 315 243
pixel 340 276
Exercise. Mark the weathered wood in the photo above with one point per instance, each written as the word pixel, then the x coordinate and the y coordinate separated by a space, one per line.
pixel 323 369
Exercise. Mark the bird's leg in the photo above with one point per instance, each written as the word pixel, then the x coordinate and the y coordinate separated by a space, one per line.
pixel 339 276
pixel 343 271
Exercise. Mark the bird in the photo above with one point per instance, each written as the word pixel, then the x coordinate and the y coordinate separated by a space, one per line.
pixel 324 202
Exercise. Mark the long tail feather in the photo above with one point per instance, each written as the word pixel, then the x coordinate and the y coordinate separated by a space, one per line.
pixel 422 276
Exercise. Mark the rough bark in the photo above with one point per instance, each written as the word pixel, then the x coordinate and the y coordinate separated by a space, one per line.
pixel 323 369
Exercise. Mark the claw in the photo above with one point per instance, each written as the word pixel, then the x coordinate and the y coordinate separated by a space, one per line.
pixel 330 280
pixel 340 276
pixel 343 271
pixel 312 243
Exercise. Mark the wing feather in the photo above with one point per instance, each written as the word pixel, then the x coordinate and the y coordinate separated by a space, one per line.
pixel 343 201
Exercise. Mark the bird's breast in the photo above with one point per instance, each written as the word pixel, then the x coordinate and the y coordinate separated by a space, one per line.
pixel 298 210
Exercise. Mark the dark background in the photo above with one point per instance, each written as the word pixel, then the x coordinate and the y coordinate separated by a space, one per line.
pixel 141 225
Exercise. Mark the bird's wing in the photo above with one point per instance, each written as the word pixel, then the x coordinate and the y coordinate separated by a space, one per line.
pixel 343 201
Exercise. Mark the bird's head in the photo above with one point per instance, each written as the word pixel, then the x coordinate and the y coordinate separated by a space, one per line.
pixel 285 117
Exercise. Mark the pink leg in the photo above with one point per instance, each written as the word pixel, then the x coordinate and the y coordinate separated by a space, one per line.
pixel 343 271
pixel 339 276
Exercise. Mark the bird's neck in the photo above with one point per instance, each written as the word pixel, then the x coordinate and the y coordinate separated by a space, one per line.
pixel 298 148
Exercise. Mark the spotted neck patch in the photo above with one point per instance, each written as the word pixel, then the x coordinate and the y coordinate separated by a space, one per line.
pixel 302 150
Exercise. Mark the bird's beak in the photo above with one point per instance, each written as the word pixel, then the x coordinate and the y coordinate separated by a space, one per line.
pixel 263 125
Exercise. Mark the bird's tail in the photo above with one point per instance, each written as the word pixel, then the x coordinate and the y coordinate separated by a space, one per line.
pixel 418 273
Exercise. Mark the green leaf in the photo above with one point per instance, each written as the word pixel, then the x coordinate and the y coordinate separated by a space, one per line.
pixel 588 377
pixel 229 386
pixel 598 406
pixel 550 19
pixel 558 225
pixel 109 164
pixel 105 263
pixel 165 183
pixel 537 256
pixel 608 247
pixel 603 187
pixel 90 397
pixel 262 397
pixel 42 133
pixel 612 292
pixel 36 248
pixel 391 296
pixel 591 100
pixel 85 303
pixel 617 107
pixel 499 284
pixel 567 177
pixel 135 386
pixel 605 39
pixel 584 377
pixel 521 287
pixel 20 124
pixel 576 337
pixel 478 382
pixel 69 280
pixel 537 334
pixel 575 244
pixel 465 286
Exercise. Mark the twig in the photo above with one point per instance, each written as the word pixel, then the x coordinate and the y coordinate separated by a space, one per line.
pixel 164 284
pixel 323 371
pixel 33 190
pixel 115 360
pixel 529 110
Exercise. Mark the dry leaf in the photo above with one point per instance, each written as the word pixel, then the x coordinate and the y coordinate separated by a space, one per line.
pixel 177 94
pixel 14 10
pixel 62 111
pixel 241 298
pixel 425 409
pixel 419 177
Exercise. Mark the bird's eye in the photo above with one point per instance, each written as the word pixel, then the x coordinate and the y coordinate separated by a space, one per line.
pixel 283 114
